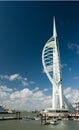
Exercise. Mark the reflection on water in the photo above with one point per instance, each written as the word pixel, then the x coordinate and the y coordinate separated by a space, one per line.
pixel 36 125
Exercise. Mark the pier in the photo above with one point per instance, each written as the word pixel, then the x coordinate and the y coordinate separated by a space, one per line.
pixel 11 116
pixel 47 118
pixel 43 119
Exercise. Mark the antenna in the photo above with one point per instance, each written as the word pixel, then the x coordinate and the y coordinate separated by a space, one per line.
pixel 54 28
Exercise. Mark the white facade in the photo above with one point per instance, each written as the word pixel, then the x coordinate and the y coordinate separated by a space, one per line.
pixel 52 67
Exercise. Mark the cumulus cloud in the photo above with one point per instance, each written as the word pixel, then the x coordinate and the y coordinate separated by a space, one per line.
pixel 24 99
pixel 72 94
pixel 73 46
pixel 30 99
pixel 5 89
pixel 27 99
pixel 4 93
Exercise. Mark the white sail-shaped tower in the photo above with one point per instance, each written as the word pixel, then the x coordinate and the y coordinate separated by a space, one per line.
pixel 52 68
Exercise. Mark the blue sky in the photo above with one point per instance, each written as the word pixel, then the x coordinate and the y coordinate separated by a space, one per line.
pixel 25 28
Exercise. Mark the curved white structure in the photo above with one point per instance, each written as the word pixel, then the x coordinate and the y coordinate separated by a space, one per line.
pixel 52 67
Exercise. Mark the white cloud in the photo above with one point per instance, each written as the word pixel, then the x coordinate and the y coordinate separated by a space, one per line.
pixel 73 46
pixel 35 89
pixel 10 77
pixel 13 77
pixel 27 99
pixel 72 94
pixel 25 93
pixel 24 83
pixel 4 77
pixel 45 90
pixel 4 93
pixel 5 89
pixel 23 80
pixel 24 99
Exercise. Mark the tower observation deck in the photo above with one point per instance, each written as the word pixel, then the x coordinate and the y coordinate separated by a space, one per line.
pixel 52 68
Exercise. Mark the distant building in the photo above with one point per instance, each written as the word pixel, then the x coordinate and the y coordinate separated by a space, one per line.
pixel 2 110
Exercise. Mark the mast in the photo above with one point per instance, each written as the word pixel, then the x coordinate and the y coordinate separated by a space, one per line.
pixel 54 28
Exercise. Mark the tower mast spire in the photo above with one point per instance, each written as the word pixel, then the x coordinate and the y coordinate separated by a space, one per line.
pixel 54 28
pixel 51 64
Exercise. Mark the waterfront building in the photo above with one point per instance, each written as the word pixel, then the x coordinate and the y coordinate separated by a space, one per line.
pixel 52 68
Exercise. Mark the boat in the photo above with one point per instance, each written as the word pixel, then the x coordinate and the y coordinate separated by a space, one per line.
pixel 37 118
pixel 11 111
pixel 53 122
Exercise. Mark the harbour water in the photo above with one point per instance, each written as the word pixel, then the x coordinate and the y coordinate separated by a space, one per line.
pixel 36 125
pixel 25 124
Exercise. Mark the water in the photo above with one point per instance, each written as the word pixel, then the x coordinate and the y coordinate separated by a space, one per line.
pixel 36 125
